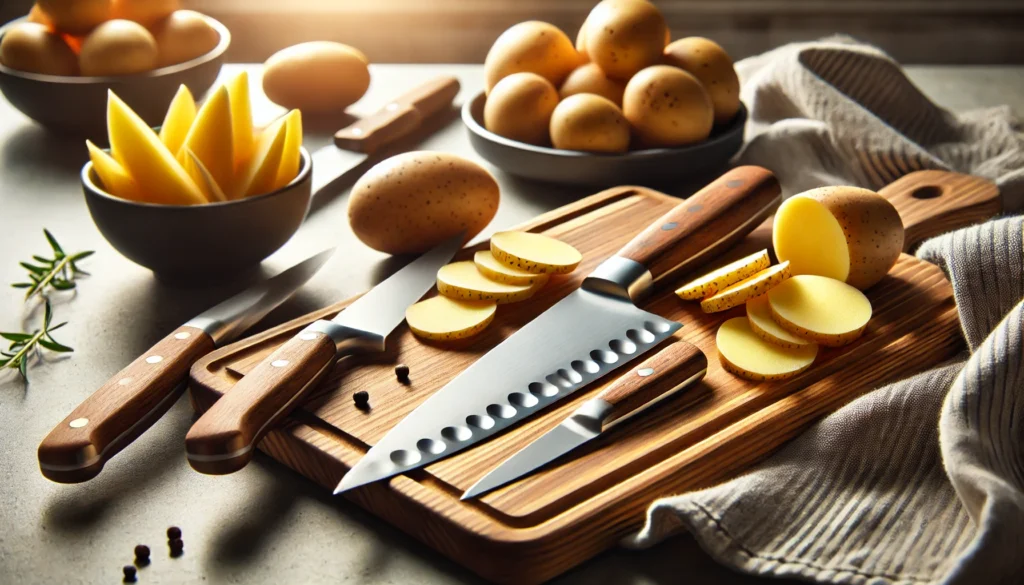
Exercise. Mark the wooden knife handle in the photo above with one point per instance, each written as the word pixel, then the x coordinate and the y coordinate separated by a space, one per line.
pixel 935 202
pixel 398 118
pixel 708 222
pixel 122 409
pixel 673 368
pixel 223 439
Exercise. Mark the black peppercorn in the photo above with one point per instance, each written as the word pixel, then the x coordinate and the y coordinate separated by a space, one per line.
pixel 129 573
pixel 177 547
pixel 402 372
pixel 362 399
pixel 173 532
pixel 142 553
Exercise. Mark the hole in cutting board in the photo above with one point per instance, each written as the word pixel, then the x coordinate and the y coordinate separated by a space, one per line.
pixel 927 192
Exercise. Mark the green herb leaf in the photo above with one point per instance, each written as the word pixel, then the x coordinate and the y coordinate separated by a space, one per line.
pixel 47 315
pixel 32 268
pixel 54 346
pixel 56 273
pixel 53 243
pixel 21 285
pixel 23 368
pixel 16 336
pixel 62 284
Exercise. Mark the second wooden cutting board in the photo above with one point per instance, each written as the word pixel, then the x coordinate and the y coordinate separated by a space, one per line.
pixel 541 526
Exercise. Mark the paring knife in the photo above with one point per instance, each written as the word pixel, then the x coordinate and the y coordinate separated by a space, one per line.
pixel 222 440
pixel 130 402
pixel 399 118
pixel 658 377
pixel 584 336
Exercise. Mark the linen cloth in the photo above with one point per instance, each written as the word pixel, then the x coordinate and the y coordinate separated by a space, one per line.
pixel 921 481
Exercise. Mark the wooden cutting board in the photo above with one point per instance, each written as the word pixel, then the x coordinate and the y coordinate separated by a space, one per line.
pixel 549 522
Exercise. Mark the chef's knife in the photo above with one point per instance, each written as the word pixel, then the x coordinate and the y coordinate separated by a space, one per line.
pixel 221 441
pixel 128 404
pixel 399 118
pixel 584 336
pixel 658 377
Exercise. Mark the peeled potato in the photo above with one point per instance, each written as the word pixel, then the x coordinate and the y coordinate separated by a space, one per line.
pixel 746 289
pixel 444 319
pixel 759 313
pixel 534 47
pixel 727 275
pixel 183 36
pixel 115 179
pixel 847 233
pixel 589 78
pixel 745 354
pixel 519 107
pixel 462 280
pixel 243 141
pixel 590 123
pixel 534 253
pixel 32 47
pixel 491 268
pixel 259 175
pixel 711 65
pixel 180 116
pixel 668 107
pixel 210 138
pixel 820 309
pixel 625 36
pixel 76 17
pixel 145 12
pixel 118 47
pixel 291 157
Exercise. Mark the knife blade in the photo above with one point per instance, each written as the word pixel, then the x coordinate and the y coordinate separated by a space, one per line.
pixel 582 338
pixel 221 441
pixel 399 118
pixel 675 367
pixel 130 402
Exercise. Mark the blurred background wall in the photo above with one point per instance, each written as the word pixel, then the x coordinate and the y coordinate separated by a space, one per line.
pixel 460 31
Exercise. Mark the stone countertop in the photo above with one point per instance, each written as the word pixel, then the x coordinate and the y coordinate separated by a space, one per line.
pixel 265 524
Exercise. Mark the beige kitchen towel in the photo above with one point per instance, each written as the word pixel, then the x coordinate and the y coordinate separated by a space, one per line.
pixel 921 481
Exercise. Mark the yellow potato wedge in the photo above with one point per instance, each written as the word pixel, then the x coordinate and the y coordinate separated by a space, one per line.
pixel 138 149
pixel 491 268
pixel 759 313
pixel 748 356
pixel 115 179
pixel 820 309
pixel 180 116
pixel 261 171
pixel 462 280
pixel 243 137
pixel 716 280
pixel 534 253
pixel 291 158
pixel 746 289
pixel 444 319
pixel 211 140
pixel 202 177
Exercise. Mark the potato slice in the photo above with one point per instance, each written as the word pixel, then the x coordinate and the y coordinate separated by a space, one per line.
pixel 746 289
pixel 443 319
pixel 243 139
pixel 759 313
pixel 727 275
pixel 180 116
pixel 138 149
pixel 748 356
pixel 534 253
pixel 491 268
pixel 195 169
pixel 291 158
pixel 462 280
pixel 261 171
pixel 210 138
pixel 820 309
pixel 115 179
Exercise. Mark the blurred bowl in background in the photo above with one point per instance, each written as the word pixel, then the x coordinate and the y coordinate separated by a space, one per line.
pixel 78 104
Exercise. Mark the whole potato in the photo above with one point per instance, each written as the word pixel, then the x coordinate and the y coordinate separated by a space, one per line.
pixel 31 47
pixel 589 78
pixel 411 202
pixel 183 36
pixel 581 41
pixel 667 107
pixel 144 12
pixel 534 47
pixel 712 66
pixel 591 123
pixel 318 76
pixel 625 36
pixel 118 47
pixel 76 17
pixel 520 106
pixel 37 15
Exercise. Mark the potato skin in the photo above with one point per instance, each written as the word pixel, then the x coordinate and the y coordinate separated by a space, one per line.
pixel 519 107
pixel 625 36
pixel 589 123
pixel 118 47
pixel 410 202
pixel 183 36
pixel 318 76
pixel 667 107
pixel 589 78
pixel 873 230
pixel 534 47
pixel 711 65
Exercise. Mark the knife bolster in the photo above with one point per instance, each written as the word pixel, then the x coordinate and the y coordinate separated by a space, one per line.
pixel 620 277
pixel 347 340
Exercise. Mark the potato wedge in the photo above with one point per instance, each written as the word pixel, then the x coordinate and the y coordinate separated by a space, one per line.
pixel 746 289
pixel 180 116
pixel 534 253
pixel 260 172
pixel 730 274
pixel 491 268
pixel 291 158
pixel 211 140
pixel 462 280
pixel 444 319
pixel 202 177
pixel 759 313
pixel 820 309
pixel 243 140
pixel 115 179
pixel 748 356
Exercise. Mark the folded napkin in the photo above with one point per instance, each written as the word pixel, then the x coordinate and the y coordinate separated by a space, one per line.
pixel 921 481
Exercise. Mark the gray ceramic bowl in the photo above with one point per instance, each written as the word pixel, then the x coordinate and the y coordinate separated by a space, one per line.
pixel 654 167
pixel 199 243
pixel 78 105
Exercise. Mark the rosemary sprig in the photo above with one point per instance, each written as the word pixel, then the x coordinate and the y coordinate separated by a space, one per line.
pixel 57 273
pixel 25 345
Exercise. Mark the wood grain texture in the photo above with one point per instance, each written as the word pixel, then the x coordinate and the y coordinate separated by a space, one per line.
pixel 679 364
pixel 539 527
pixel 122 409
pixel 222 440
